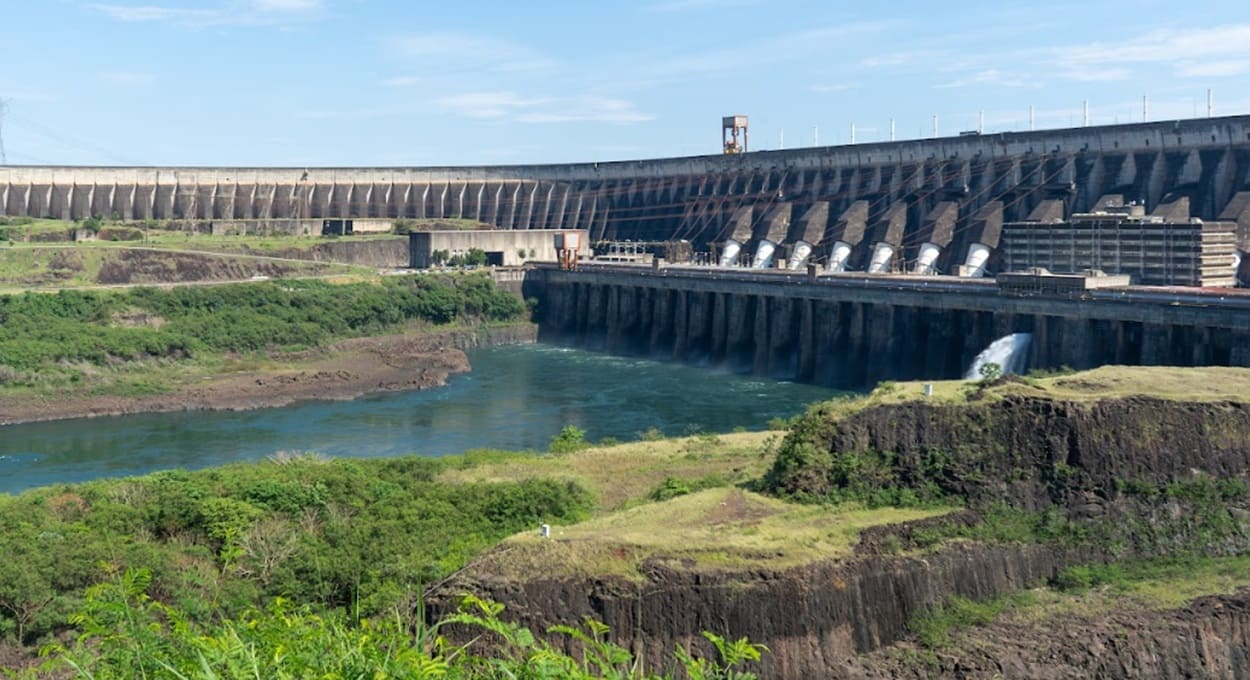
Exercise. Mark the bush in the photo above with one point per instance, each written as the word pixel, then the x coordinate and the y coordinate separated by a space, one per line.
pixel 570 439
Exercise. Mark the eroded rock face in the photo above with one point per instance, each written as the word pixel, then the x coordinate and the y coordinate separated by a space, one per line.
pixel 1207 639
pixel 814 619
pixel 1034 452
pixel 1102 464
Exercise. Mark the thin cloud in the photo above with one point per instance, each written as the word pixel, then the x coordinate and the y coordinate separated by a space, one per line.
pixel 775 49
pixel 499 105
pixel 697 5
pixel 464 51
pixel 235 13
pixel 287 5
pixel 835 87
pixel 128 78
pixel 403 81
pixel 990 77
pixel 1212 69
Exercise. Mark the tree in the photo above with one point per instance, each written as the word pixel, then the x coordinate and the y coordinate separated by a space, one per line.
pixel 991 372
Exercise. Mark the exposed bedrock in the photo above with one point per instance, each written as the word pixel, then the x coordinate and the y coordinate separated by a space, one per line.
pixel 1209 638
pixel 1125 475
pixel 1029 452
pixel 814 619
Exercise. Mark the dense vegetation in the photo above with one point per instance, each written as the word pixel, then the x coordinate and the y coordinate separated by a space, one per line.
pixel 356 537
pixel 42 334
pixel 126 634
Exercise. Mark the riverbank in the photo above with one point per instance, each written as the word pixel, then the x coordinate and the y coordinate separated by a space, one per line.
pixel 414 360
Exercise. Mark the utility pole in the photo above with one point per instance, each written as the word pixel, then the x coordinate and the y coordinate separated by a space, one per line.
pixel 815 135
pixel 1030 117
pixel 1210 103
pixel 852 132
pixel 1085 106
pixel 1145 109
pixel 980 122
pixel 891 129
pixel 935 126
pixel 782 145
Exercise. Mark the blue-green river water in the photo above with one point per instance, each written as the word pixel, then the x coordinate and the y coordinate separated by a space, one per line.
pixel 516 397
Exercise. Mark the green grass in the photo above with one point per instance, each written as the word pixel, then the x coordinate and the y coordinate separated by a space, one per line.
pixel 715 530
pixel 625 474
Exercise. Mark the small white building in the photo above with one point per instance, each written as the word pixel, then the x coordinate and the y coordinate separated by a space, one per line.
pixel 503 247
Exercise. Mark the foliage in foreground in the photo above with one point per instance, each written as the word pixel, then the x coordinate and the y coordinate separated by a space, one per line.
pixel 123 633
pixel 358 536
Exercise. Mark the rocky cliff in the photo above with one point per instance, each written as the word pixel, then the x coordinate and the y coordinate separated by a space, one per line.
pixel 1055 473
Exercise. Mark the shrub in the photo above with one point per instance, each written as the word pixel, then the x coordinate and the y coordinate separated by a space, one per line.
pixel 571 438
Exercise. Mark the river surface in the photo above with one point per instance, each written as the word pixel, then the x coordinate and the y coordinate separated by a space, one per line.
pixel 517 397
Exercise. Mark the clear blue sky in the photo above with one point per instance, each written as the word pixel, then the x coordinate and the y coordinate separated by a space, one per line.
pixel 412 82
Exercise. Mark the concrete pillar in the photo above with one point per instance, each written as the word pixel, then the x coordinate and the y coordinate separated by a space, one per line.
pixel 1076 347
pixel 760 343
pixel 681 321
pixel 739 354
pixel 720 326
pixel 808 347
pixel 699 325
pixel 662 325
pixel 1156 344
pixel 782 340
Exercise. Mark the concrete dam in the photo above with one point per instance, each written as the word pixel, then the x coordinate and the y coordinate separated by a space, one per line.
pixel 853 331
pixel 927 205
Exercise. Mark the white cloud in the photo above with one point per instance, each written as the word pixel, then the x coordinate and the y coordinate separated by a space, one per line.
pixel 1213 69
pixel 403 81
pixel 689 5
pixel 486 104
pixel 990 77
pixel 835 87
pixel 287 5
pixel 135 13
pixel 464 51
pixel 222 13
pixel 780 48
pixel 128 78
pixel 506 104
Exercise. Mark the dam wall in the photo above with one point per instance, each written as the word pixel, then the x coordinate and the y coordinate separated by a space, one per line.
pixel 900 193
pixel 853 331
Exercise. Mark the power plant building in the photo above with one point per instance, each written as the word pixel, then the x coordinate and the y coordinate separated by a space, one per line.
pixel 1166 248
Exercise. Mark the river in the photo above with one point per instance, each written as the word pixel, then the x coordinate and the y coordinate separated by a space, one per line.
pixel 517 397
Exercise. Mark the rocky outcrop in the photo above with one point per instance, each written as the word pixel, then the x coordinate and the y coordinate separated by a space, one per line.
pixel 1210 638
pixel 1125 477
pixel 1028 452
pixel 814 619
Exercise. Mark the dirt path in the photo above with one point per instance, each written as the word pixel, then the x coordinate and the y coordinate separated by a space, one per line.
pixel 346 370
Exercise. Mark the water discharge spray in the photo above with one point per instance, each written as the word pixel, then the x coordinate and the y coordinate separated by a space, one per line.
pixel 1010 352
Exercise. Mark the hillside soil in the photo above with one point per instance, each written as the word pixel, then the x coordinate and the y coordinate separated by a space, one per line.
pixel 348 369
